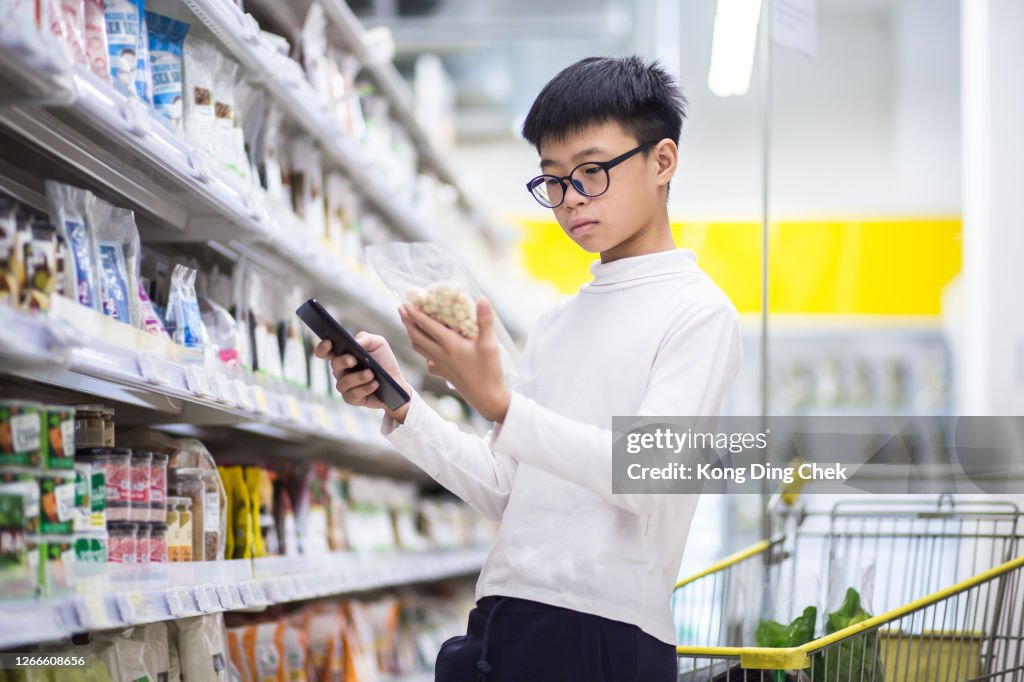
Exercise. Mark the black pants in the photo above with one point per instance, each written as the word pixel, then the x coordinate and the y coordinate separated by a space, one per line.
pixel 515 640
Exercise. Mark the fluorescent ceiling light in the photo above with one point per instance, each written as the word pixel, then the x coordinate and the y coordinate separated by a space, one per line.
pixel 732 46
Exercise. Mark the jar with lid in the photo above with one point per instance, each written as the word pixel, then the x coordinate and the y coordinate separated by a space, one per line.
pixel 184 536
pixel 90 427
pixel 108 427
pixel 140 462
pixel 188 483
pixel 158 488
pixel 115 463
pixel 142 542
pixel 158 543
pixel 121 543
pixel 172 528
pixel 212 546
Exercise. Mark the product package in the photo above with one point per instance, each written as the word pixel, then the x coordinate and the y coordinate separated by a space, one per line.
pixel 268 159
pixel 201 60
pixel 433 279
pixel 307 185
pixel 185 323
pixel 117 259
pixel 96 48
pixel 40 259
pixel 201 648
pixel 144 75
pixel 11 268
pixel 127 66
pixel 149 319
pixel 70 208
pixel 166 41
pixel 66 19
pixel 228 138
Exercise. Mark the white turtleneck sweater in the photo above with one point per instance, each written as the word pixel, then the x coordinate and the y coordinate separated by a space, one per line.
pixel 650 335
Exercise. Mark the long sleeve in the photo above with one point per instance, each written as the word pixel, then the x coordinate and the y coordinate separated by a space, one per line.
pixel 461 462
pixel 693 369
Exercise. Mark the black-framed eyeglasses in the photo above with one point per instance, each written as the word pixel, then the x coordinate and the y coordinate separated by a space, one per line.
pixel 589 179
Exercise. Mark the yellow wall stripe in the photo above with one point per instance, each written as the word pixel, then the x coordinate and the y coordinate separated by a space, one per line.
pixel 875 266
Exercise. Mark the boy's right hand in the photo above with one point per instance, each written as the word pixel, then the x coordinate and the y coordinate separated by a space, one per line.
pixel 357 387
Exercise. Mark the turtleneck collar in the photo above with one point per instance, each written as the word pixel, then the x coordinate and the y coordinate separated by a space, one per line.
pixel 634 270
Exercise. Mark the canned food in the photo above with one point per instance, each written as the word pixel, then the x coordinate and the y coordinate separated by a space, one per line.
pixel 20 433
pixel 158 488
pixel 56 502
pixel 58 438
pixel 89 427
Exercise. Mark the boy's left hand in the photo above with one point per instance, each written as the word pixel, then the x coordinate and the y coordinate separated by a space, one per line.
pixel 472 366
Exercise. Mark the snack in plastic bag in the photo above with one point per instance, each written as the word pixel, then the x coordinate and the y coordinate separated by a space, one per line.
pixel 166 39
pixel 96 49
pixel 71 29
pixel 432 278
pixel 149 319
pixel 449 305
pixel 10 262
pixel 144 75
pixel 228 138
pixel 69 210
pixel 117 261
pixel 183 318
pixel 200 62
pixel 127 66
pixel 155 653
pixel 40 266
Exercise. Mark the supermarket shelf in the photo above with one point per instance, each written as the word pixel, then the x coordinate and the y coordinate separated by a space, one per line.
pixel 129 153
pixel 284 80
pixel 125 595
pixel 353 38
pixel 77 350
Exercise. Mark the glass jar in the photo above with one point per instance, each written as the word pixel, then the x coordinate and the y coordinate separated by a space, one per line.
pixel 158 543
pixel 188 483
pixel 184 538
pixel 90 428
pixel 172 528
pixel 108 427
pixel 140 462
pixel 142 542
pixel 115 463
pixel 158 488
pixel 121 542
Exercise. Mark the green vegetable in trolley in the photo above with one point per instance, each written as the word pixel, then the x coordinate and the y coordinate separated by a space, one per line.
pixel 800 631
pixel 855 658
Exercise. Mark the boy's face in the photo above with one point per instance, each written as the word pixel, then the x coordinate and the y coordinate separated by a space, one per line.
pixel 635 188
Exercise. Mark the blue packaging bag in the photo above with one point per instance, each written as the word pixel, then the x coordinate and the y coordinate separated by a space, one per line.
pixel 129 67
pixel 166 40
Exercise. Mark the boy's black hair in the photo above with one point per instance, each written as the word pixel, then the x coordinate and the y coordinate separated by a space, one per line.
pixel 639 95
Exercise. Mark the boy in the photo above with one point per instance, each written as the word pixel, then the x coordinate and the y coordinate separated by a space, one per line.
pixel 578 583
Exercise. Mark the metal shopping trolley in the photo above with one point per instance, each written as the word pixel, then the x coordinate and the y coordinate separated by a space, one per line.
pixel 942 578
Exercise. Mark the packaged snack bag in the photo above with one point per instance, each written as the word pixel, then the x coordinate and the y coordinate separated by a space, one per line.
pixel 166 43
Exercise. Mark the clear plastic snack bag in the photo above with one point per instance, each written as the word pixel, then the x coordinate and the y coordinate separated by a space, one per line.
pixel 433 279
pixel 117 261
pixel 70 208
pixel 166 40
pixel 184 320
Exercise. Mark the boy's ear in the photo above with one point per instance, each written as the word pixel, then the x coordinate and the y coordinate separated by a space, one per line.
pixel 667 155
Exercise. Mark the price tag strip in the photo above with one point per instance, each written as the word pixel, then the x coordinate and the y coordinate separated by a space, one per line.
pixel 179 602
pixel 92 612
pixel 132 607
pixel 152 370
pixel 207 599
pixel 230 597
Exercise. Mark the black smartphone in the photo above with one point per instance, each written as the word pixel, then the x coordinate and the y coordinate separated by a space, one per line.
pixel 326 327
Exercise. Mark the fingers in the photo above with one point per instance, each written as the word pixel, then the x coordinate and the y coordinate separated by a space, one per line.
pixel 422 343
pixel 341 363
pixel 485 320
pixel 370 342
pixel 428 325
pixel 323 349
pixel 350 380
